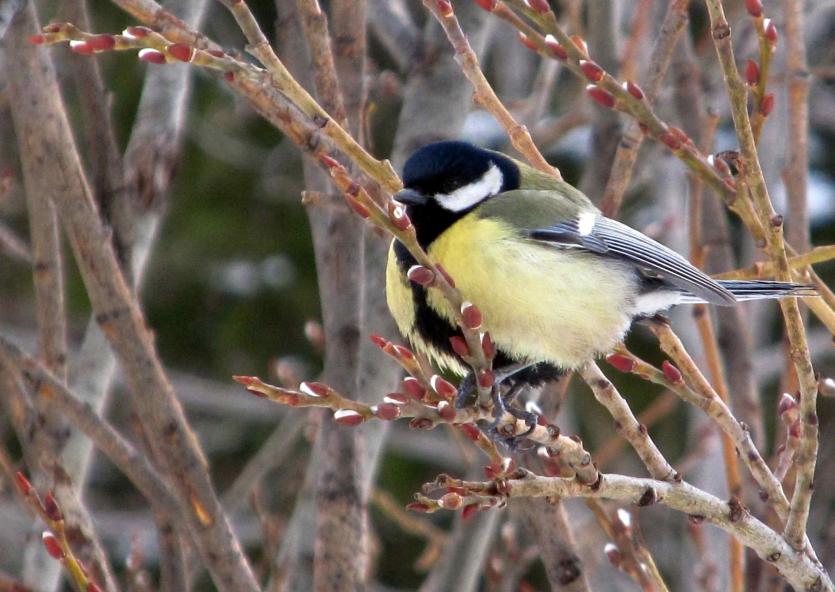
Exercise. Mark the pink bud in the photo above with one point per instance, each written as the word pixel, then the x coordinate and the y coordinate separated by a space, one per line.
pixel 754 8
pixel 580 44
pixel 591 70
pixel 469 511
pixel 151 56
pixel 600 96
pixel 555 48
pixel 418 507
pixel 450 501
pixel 613 554
pixel 53 547
pixel 413 388
pixel 621 362
pixel 471 316
pixel 634 90
pixel 770 33
pixel 102 42
pixel 443 387
pixel 446 411
pixel 767 104
pixel 51 508
pixel 347 417
pixel 444 7
pixel 670 140
pixel 752 72
pixel 81 47
pixel 388 411
pixel 540 6
pixel 672 373
pixel 137 32
pixel 787 403
pixel 396 399
pixel 315 389
pixel 357 205
pixel 527 42
pixel 470 430
pixel 23 483
pixel 421 275
pixel 488 5
pixel 229 76
pixel 93 587
pixel 216 53
pixel 378 340
pixel 36 39
pixel 329 161
pixel 399 218
pixel 486 379
pixel 459 346
pixel 487 346
pixel 404 352
pixel 181 51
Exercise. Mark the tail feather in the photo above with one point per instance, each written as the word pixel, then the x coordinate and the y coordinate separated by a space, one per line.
pixel 744 290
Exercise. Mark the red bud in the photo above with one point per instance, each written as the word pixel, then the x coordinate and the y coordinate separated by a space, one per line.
pixel 470 430
pixel 787 403
pixel 23 483
pixel 634 90
pixel 93 587
pixel 444 7
pixel 412 387
pixel 102 42
pixel 555 48
pixel 446 411
pixel 450 501
pixel 229 76
pixel 752 72
pixel 469 511
pixel 527 41
pixel 396 399
pixel 258 394
pixel 672 373
pixel 540 6
pixel 421 275
pixel 600 96
pixel 151 56
pixel 670 140
pixel 471 316
pixel 315 389
pixel 329 161
pixel 399 218
pixel 36 39
pixel 347 417
pixel 488 5
pixel 613 554
pixel 51 508
pixel 181 51
pixel 418 507
pixel 53 547
pixel 591 70
pixel 770 33
pixel 404 352
pixel 137 32
pixel 754 7
pixel 378 340
pixel 388 411
pixel 357 205
pixel 459 346
pixel 443 387
pixel 216 53
pixel 81 47
pixel 486 379
pixel 487 346
pixel 767 104
pixel 621 362
pixel 580 44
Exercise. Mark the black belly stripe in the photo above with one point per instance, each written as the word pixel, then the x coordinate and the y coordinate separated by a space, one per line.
pixel 436 331
pixel 431 326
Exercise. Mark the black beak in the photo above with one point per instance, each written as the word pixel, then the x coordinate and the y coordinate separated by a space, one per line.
pixel 410 197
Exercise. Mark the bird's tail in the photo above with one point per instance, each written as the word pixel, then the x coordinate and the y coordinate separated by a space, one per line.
pixel 762 289
pixel 744 290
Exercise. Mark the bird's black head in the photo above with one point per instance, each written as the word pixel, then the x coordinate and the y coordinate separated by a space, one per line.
pixel 446 180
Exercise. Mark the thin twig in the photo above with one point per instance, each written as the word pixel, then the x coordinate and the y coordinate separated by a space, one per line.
pixel 773 223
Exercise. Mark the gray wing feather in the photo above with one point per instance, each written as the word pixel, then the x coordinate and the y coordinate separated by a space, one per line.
pixel 611 238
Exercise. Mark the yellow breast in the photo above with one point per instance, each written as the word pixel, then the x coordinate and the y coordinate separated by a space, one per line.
pixel 539 303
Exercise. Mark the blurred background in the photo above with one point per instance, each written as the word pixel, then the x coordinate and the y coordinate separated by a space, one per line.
pixel 231 286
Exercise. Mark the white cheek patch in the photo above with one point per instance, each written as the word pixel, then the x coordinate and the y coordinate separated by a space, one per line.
pixel 467 196
pixel 586 222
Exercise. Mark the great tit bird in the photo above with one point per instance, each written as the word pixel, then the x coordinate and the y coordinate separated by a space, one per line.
pixel 557 283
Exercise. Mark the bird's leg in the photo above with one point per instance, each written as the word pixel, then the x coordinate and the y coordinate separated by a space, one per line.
pixel 467 392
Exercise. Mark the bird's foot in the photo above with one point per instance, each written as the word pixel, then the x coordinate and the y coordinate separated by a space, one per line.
pixel 502 428
pixel 467 392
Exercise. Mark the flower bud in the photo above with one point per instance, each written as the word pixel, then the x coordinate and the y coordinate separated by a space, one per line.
pixel 754 7
pixel 387 411
pixel 421 275
pixel 181 51
pixel 412 387
pixel 591 70
pixel 488 5
pixel 151 56
pixel 347 417
pixel 634 90
pixel 672 373
pixel 621 362
pixel 752 72
pixel 471 316
pixel 443 387
pixel 51 508
pixel 53 547
pixel 459 346
pixel 555 48
pixel 102 42
pixel 767 104
pixel 600 96
pixel 527 41
pixel 81 47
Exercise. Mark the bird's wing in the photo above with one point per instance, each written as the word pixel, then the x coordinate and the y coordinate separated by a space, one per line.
pixel 597 234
